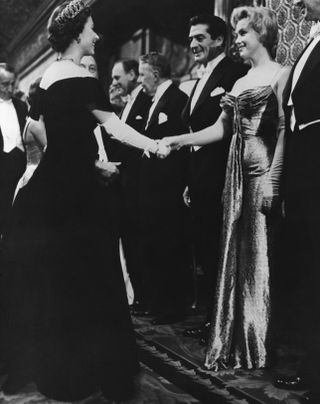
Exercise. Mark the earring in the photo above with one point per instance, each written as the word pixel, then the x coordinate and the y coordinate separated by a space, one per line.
pixel 78 40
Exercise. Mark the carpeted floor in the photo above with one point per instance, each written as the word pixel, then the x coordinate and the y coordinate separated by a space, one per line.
pixel 180 359
pixel 172 373
pixel 151 389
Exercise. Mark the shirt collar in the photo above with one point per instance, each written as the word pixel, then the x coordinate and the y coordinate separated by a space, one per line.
pixel 134 93
pixel 162 88
pixel 210 65
pixel 6 101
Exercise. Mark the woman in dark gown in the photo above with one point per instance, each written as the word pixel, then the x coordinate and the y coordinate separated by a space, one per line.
pixel 252 114
pixel 65 313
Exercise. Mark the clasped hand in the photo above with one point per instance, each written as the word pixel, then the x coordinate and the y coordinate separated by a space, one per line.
pixel 163 149
pixel 108 170
pixel 166 145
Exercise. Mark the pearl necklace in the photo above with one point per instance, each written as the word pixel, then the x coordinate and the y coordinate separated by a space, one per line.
pixel 60 58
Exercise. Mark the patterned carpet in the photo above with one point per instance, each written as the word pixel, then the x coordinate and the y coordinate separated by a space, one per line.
pixel 180 359
pixel 151 389
pixel 172 373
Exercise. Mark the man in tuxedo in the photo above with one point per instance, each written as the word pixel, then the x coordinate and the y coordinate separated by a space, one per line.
pixel 207 38
pixel 135 112
pixel 162 214
pixel 302 203
pixel 13 114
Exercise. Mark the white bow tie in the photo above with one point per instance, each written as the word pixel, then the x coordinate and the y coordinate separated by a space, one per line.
pixel 201 71
pixel 314 31
pixel 127 98
pixel 155 98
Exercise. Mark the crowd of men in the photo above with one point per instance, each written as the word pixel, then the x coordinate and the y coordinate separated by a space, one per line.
pixel 155 219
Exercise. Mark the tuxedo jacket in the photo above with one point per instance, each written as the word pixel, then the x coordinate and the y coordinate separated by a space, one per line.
pixel 302 159
pixel 129 156
pixel 208 163
pixel 22 110
pixel 163 180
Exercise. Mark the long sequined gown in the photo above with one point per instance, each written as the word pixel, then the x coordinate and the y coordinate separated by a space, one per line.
pixel 241 319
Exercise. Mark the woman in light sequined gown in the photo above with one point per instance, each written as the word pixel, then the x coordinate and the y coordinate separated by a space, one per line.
pixel 252 114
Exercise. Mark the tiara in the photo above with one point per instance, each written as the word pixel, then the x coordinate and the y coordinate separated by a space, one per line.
pixel 70 11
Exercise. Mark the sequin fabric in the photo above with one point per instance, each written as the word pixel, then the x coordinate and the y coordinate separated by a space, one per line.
pixel 34 154
pixel 240 324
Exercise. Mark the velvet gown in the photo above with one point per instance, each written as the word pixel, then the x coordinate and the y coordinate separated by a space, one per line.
pixel 240 329
pixel 65 310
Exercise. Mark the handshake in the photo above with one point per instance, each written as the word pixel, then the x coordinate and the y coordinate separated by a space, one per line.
pixel 165 146
pixel 163 149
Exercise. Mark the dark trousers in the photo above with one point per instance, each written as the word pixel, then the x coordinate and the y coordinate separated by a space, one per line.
pixel 207 214
pixel 12 166
pixel 303 254
pixel 165 253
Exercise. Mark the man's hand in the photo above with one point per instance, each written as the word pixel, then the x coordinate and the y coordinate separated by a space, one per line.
pixel 108 171
pixel 173 142
pixel 163 150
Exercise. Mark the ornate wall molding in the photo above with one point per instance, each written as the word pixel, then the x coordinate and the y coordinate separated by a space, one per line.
pixel 31 42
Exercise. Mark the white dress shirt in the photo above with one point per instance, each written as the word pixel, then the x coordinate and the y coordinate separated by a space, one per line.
pixel 97 132
pixel 206 74
pixel 296 74
pixel 10 127
pixel 162 88
pixel 131 99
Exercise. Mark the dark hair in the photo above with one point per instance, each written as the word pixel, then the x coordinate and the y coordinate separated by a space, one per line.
pixel 158 62
pixel 263 21
pixel 8 68
pixel 128 65
pixel 62 33
pixel 216 26
pixel 33 90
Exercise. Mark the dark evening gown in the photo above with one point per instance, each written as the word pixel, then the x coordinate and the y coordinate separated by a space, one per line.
pixel 65 310
pixel 240 328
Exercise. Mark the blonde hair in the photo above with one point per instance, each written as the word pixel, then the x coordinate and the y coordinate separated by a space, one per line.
pixel 263 21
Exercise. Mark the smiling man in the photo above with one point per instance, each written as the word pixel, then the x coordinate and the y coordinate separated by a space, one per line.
pixel 207 37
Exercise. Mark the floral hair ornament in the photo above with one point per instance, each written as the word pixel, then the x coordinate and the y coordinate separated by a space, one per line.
pixel 70 11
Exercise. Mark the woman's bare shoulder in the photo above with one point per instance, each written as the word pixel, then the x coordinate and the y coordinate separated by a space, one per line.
pixel 61 70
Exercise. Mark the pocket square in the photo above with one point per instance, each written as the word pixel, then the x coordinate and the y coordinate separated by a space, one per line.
pixel 162 118
pixel 138 117
pixel 217 91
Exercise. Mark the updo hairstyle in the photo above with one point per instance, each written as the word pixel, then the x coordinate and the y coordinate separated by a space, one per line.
pixel 263 21
pixel 33 88
pixel 63 28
